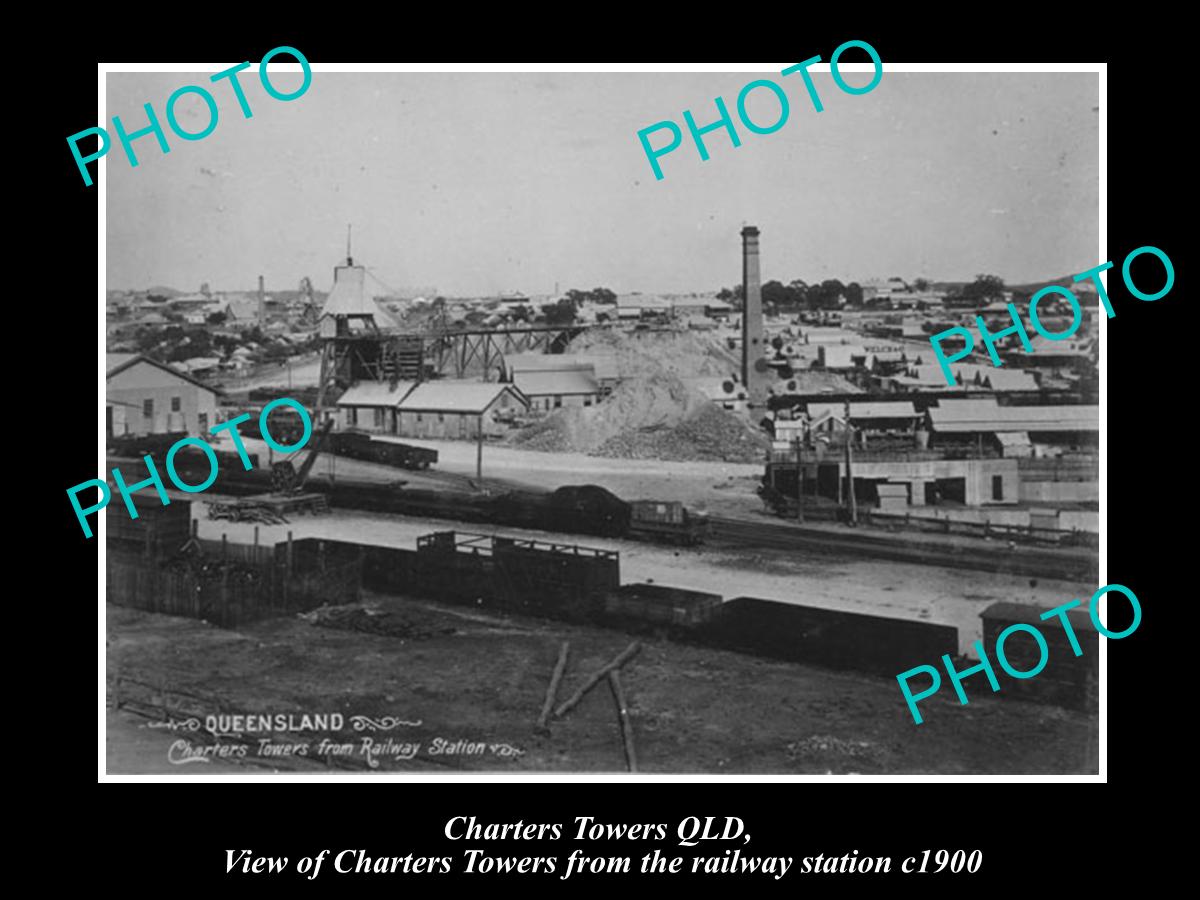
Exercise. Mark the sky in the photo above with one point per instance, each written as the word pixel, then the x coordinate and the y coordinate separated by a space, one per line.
pixel 485 183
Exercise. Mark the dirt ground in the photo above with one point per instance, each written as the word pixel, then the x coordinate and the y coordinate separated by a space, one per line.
pixel 476 683
pixel 717 487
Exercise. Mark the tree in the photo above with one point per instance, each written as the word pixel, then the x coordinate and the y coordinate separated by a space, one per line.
pixel 560 313
pixel 854 294
pixel 217 318
pixel 979 293
pixel 922 284
pixel 829 294
pixel 732 296
pixel 595 295
pixel 775 294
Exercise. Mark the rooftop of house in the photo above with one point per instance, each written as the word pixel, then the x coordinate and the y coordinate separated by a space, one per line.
pixel 885 409
pixel 375 393
pixel 559 381
pixel 116 363
pixel 951 416
pixel 454 395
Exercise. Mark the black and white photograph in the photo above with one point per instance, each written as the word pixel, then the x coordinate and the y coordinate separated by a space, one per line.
pixel 626 421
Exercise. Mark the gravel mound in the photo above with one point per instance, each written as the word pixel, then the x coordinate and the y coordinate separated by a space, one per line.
pixel 651 417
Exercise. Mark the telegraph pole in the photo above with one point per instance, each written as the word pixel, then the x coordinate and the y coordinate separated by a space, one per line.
pixel 799 483
pixel 852 504
pixel 479 452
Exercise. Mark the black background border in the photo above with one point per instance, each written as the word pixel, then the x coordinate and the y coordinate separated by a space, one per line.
pixel 1027 835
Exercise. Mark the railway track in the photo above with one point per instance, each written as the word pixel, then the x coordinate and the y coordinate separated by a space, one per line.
pixel 987 556
pixel 1073 565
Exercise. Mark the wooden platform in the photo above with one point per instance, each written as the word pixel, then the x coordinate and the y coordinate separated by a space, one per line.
pixel 268 508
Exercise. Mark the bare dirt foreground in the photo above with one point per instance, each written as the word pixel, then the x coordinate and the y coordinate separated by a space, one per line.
pixel 476 684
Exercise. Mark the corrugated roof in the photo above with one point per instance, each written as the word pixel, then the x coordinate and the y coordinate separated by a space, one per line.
pixel 642 300
pixel 119 362
pixel 348 297
pixel 604 365
pixel 1013 438
pixel 542 362
pixel 569 381
pixel 115 361
pixel 966 410
pixel 375 393
pixel 199 363
pixel 930 373
pixel 984 415
pixel 450 395
pixel 867 410
pixel 1009 380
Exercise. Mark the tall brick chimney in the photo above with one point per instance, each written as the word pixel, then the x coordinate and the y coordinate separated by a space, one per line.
pixel 754 364
pixel 262 302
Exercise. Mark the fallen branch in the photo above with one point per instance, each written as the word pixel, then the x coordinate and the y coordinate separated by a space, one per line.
pixel 552 691
pixel 614 681
pixel 627 654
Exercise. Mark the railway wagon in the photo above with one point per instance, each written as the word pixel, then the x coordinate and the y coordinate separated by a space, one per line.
pixel 285 424
pixel 672 522
pixel 827 637
pixel 357 445
pixel 561 581
pixel 576 509
pixel 660 609
pixel 140 444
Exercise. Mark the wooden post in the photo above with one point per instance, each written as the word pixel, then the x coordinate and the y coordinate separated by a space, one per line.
pixel 225 623
pixel 256 543
pixel 799 483
pixel 851 500
pixel 627 654
pixel 479 451
pixel 224 546
pixel 287 574
pixel 614 681
pixel 552 690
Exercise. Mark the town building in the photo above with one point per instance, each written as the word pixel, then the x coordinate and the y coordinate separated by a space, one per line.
pixel 149 397
pixel 445 408
pixel 550 389
pixel 872 420
pixel 535 375
pixel 1017 431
